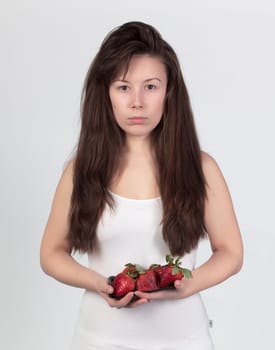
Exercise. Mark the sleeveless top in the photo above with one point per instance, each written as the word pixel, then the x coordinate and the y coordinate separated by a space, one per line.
pixel 133 233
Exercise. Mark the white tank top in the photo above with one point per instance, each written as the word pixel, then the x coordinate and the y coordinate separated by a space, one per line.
pixel 133 233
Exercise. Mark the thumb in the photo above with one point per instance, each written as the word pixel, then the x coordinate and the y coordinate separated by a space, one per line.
pixel 105 287
pixel 179 284
pixel 108 289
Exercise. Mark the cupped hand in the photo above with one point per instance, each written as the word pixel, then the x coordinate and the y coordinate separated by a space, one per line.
pixel 129 300
pixel 177 293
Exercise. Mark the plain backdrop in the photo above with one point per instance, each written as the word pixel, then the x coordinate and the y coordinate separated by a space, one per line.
pixel 227 54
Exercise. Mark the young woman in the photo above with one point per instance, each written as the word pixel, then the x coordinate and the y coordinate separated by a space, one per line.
pixel 139 187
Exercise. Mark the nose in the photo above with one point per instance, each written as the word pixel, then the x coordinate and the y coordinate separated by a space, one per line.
pixel 137 100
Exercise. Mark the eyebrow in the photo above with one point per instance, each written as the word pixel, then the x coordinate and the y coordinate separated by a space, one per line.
pixel 145 81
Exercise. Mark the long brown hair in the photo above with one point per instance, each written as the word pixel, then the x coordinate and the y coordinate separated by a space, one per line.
pixel 102 143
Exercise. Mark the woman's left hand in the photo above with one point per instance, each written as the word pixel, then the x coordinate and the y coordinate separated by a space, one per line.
pixel 178 293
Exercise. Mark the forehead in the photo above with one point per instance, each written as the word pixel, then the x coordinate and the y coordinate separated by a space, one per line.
pixel 143 66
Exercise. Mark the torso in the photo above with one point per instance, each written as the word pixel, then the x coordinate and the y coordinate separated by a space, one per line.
pixel 133 233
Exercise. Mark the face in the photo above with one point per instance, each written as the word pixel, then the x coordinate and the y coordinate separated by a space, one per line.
pixel 138 98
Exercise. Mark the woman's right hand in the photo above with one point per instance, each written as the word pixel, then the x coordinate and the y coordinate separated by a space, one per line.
pixel 105 290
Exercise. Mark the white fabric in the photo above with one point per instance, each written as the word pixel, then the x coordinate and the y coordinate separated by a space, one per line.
pixel 132 233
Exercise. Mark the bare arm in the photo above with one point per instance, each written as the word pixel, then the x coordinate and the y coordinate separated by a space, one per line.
pixel 224 236
pixel 55 255
pixel 223 232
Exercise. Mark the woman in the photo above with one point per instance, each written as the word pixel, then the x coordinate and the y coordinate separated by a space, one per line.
pixel 137 188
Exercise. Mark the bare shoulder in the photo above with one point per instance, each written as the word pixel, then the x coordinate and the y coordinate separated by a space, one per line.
pixel 212 172
pixel 68 169
pixel 209 165
pixel 64 188
pixel 66 179
pixel 208 161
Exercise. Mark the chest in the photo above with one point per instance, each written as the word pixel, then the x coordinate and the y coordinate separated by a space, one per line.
pixel 137 180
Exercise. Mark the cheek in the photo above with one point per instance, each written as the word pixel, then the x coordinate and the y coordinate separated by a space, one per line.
pixel 116 104
pixel 117 110
pixel 114 107
pixel 113 99
pixel 159 103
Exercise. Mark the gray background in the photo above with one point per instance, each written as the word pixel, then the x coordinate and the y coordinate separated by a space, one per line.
pixel 227 53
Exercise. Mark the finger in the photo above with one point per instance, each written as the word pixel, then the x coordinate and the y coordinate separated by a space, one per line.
pixel 179 284
pixel 125 300
pixel 165 294
pixel 138 302
pixel 142 295
pixel 108 289
pixel 150 296
pixel 105 287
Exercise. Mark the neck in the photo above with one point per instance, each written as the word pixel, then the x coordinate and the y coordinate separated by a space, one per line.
pixel 138 146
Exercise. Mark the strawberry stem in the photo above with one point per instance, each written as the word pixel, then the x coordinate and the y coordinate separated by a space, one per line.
pixel 176 266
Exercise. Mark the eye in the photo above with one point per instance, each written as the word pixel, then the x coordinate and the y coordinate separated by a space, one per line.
pixel 150 87
pixel 123 87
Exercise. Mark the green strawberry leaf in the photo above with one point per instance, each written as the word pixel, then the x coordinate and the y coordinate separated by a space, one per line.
pixel 169 259
pixel 140 269
pixel 175 270
pixel 187 273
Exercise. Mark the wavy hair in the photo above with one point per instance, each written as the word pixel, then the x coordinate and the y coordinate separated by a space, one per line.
pixel 101 145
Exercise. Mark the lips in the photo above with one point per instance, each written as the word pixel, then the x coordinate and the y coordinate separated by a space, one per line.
pixel 137 120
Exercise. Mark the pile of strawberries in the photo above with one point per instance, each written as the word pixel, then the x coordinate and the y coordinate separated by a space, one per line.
pixel 156 277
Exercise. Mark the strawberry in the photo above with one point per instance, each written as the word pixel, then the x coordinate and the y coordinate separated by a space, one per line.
pixel 147 281
pixel 123 284
pixel 169 273
pixel 134 277
pixel 125 281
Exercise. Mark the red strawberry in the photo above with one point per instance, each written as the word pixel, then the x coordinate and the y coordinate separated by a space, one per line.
pixel 123 284
pixel 125 281
pixel 147 281
pixel 168 274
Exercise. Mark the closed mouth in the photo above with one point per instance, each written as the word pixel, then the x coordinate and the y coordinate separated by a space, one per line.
pixel 137 120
